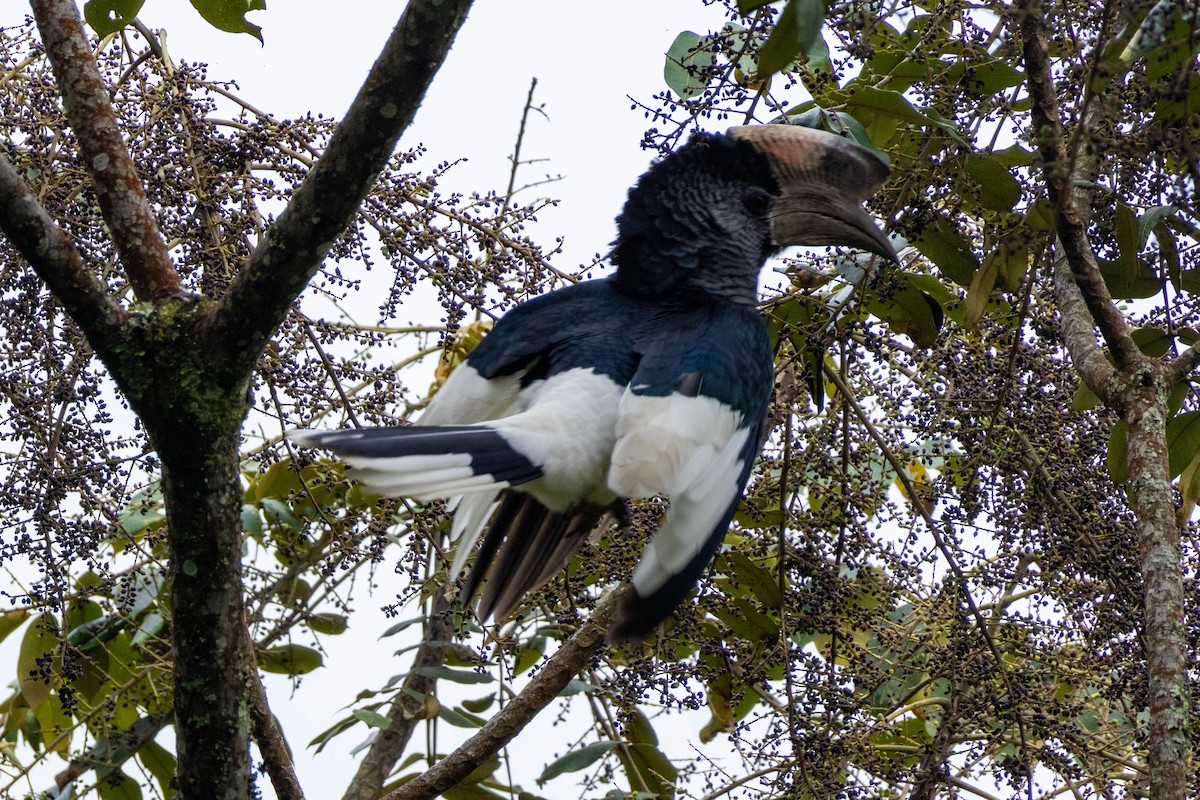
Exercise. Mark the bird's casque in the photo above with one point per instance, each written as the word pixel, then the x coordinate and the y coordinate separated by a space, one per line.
pixel 653 381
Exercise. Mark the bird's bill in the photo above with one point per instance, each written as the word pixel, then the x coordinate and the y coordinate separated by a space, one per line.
pixel 822 178
pixel 825 218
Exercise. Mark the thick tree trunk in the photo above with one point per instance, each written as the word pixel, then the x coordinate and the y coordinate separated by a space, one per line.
pixel 1153 503
pixel 166 368
pixel 202 488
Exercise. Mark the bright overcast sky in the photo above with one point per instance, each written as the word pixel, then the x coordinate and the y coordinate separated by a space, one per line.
pixel 588 57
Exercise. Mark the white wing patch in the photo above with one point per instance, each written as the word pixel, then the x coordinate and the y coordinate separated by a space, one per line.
pixel 466 397
pixel 471 513
pixel 690 449
pixel 665 444
pixel 568 428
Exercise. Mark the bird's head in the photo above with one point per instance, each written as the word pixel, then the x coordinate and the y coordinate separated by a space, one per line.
pixel 709 214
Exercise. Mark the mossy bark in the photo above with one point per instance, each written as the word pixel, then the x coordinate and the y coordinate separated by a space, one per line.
pixel 173 378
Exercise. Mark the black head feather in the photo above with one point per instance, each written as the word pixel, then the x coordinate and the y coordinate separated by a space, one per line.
pixel 697 218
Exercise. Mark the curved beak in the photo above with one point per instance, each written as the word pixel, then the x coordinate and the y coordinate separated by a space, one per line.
pixel 823 179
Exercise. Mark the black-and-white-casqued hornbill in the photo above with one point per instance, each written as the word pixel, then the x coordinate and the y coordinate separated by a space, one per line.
pixel 652 381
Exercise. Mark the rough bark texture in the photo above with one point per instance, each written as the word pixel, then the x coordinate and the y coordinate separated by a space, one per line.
pixel 1152 498
pixel 212 665
pixel 195 432
pixel 501 729
pixel 1058 173
pixel 118 188
pixel 391 742
pixel 1137 389
pixel 1079 334
pixel 184 364
pixel 54 257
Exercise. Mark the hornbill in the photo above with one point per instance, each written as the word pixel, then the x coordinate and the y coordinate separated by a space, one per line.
pixel 654 380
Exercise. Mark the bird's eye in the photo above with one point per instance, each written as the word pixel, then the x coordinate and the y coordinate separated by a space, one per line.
pixel 757 200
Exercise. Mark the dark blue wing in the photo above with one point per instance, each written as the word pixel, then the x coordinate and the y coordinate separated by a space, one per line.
pixel 587 325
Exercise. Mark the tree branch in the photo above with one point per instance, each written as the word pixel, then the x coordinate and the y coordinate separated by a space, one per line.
pixel 389 745
pixel 290 252
pixel 119 190
pixel 1058 172
pixel 1179 368
pixel 269 736
pixel 501 729
pixel 1079 334
pixel 56 260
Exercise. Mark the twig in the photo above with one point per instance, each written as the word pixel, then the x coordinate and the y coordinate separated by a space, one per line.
pixel 269 736
pixel 291 250
pixel 390 743
pixel 501 729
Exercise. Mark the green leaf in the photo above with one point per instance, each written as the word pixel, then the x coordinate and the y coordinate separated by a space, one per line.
pixel 530 654
pixel 998 189
pixel 1127 241
pixel 575 686
pixel 1154 342
pixel 797 32
pixel 455 675
pixel 1118 453
pixel 252 521
pixel 1189 487
pixel 687 55
pixel 746 6
pixel 373 719
pixel 1123 285
pixel 841 122
pixel 992 76
pixel 1183 440
pixel 143 514
pixel 39 661
pixel 399 626
pixel 639 730
pixel 324 737
pixel 949 250
pixel 230 15
pixel 1150 221
pixel 119 786
pixel 1014 156
pixel 885 101
pixel 907 310
pixel 110 16
pixel 762 582
pixel 646 765
pixel 460 717
pixel 161 763
pixel 1156 29
pixel 481 704
pixel 95 632
pixel 290 659
pixel 576 760
pixel 1085 399
pixel 279 513
pixel 329 624
pixel 11 620
pixel 981 289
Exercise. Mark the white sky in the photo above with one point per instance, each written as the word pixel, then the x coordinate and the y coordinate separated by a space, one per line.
pixel 587 57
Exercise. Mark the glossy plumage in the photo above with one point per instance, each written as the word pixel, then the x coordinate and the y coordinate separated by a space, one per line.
pixel 654 381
